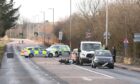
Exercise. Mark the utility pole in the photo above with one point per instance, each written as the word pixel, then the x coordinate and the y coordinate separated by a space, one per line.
pixel 106 29
pixel 27 30
pixel 44 25
pixel 53 15
pixel 70 22
pixel 38 24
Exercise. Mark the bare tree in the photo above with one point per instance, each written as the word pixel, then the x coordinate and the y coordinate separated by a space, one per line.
pixel 89 9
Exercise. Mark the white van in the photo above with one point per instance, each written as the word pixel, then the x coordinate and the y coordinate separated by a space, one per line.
pixel 87 50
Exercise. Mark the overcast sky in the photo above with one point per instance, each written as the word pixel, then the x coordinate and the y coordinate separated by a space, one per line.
pixel 33 9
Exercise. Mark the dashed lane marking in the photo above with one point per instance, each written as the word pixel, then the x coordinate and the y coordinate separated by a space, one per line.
pixel 86 78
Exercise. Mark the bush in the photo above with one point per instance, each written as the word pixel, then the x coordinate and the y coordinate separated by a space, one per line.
pixel 1 52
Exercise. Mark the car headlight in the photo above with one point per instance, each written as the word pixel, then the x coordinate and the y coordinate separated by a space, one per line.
pixel 111 60
pixel 96 59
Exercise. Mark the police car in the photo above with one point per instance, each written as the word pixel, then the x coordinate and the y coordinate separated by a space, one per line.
pixel 57 50
pixel 33 51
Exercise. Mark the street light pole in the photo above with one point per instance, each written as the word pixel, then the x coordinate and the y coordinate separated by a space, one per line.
pixel 27 30
pixel 44 25
pixel 106 29
pixel 53 15
pixel 70 22
pixel 37 21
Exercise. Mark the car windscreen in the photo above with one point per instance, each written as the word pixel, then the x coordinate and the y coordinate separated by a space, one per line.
pixel 90 46
pixel 65 47
pixel 29 48
pixel 38 48
pixel 103 53
pixel 55 46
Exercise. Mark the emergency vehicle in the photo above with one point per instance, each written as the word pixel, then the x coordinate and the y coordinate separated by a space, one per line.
pixel 57 50
pixel 33 51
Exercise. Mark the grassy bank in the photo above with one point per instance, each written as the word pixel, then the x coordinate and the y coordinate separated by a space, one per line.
pixel 2 49
pixel 1 52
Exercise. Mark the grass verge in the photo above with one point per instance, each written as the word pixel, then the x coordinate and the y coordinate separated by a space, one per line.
pixel 2 49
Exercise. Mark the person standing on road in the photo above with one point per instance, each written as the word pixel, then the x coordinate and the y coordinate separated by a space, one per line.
pixel 114 53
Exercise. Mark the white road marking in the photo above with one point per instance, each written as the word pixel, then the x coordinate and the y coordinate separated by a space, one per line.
pixel 86 78
pixel 94 72
pixel 79 77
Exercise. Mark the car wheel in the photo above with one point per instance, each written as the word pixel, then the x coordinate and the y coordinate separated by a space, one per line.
pixel 80 61
pixel 77 62
pixel 31 55
pixel 60 53
pixel 26 56
pixel 50 55
pixel 93 65
pixel 111 66
pixel 56 54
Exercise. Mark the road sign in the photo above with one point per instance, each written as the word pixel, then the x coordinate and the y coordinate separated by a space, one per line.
pixel 88 35
pixel 108 35
pixel 125 41
pixel 60 35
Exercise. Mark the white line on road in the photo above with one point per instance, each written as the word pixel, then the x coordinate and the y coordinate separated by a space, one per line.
pixel 94 71
pixel 86 78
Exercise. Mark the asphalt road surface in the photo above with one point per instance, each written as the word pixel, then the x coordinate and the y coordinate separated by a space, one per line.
pixel 19 70
pixel 40 70
pixel 74 74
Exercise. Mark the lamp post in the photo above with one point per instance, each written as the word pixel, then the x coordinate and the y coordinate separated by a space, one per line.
pixel 27 30
pixel 53 15
pixel 37 23
pixel 43 12
pixel 70 22
pixel 106 29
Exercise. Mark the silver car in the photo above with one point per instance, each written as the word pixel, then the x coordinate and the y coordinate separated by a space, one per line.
pixel 102 58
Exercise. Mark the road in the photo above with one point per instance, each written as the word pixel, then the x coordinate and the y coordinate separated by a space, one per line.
pixel 40 70
pixel 19 70
pixel 74 74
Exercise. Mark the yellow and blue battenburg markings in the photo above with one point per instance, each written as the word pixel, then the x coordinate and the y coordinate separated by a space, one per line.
pixel 36 51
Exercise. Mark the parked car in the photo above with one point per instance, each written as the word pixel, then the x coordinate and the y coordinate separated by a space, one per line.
pixel 102 58
pixel 33 51
pixel 58 49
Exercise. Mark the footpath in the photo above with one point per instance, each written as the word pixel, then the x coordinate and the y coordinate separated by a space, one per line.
pixel 128 67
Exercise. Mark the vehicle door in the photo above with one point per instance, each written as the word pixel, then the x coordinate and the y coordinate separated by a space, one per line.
pixel 66 51
pixel 42 52
pixel 36 51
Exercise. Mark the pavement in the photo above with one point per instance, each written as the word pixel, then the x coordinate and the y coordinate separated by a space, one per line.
pixel 128 67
